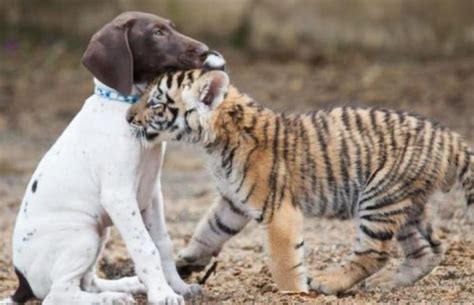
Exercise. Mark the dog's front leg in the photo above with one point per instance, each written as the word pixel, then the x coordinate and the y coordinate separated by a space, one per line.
pixel 123 210
pixel 154 217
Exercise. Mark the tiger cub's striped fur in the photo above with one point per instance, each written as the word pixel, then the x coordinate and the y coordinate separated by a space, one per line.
pixel 377 166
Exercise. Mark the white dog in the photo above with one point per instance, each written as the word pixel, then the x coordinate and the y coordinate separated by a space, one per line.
pixel 98 174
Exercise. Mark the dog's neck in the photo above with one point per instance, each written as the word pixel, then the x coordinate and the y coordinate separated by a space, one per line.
pixel 111 94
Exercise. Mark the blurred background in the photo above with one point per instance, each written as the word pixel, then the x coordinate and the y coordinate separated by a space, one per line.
pixel 409 54
pixel 288 54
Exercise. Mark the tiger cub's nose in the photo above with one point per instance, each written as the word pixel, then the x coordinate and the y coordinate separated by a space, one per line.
pixel 130 116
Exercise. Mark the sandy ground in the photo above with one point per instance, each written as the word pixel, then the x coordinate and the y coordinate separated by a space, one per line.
pixel 49 90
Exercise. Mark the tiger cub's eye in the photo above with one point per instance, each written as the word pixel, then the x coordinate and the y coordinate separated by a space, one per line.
pixel 158 107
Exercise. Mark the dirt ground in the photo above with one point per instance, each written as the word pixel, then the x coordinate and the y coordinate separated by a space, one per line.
pixel 49 88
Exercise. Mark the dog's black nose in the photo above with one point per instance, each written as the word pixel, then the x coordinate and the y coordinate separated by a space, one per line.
pixel 197 51
pixel 200 49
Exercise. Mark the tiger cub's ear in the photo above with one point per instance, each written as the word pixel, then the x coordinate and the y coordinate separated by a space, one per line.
pixel 212 88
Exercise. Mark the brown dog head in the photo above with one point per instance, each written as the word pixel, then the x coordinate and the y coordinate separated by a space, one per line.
pixel 138 46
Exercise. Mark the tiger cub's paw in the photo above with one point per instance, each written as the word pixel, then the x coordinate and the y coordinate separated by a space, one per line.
pixel 385 279
pixel 332 280
pixel 187 264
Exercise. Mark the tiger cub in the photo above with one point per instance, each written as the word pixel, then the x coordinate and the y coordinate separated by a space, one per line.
pixel 377 166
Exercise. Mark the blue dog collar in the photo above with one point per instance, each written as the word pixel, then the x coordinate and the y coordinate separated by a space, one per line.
pixel 113 95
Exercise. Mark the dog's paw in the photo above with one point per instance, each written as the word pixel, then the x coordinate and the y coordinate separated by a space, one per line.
pixel 168 298
pixel 186 290
pixel 191 291
pixel 116 298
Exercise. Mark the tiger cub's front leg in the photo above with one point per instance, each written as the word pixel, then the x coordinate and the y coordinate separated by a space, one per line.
pixel 286 248
pixel 222 221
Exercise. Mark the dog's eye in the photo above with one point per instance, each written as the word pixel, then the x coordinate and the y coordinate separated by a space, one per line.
pixel 158 32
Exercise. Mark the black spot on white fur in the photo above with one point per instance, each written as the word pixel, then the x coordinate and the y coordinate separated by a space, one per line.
pixel 24 292
pixel 34 186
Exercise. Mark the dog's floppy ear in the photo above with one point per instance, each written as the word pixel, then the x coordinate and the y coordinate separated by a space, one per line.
pixel 109 58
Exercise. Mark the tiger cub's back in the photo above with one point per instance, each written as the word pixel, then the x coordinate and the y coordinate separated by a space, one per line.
pixel 347 158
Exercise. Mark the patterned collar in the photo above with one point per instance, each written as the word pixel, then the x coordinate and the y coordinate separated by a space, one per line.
pixel 113 95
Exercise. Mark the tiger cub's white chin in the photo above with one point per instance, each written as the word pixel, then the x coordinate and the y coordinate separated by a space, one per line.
pixel 214 61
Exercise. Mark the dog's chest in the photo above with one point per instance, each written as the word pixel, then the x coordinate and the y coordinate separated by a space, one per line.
pixel 148 175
